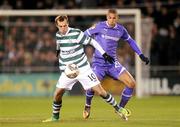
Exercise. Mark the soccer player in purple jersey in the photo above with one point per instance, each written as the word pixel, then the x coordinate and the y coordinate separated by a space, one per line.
pixel 107 34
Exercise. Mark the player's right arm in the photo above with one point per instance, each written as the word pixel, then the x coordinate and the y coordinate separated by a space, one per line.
pixel 57 53
pixel 57 46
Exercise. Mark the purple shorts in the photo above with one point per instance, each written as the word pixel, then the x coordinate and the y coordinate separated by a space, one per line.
pixel 112 70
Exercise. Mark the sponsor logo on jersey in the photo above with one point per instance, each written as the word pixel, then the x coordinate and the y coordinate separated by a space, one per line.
pixel 109 37
pixel 67 52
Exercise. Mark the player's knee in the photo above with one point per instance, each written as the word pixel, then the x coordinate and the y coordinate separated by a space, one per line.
pixel 99 90
pixel 132 84
pixel 102 92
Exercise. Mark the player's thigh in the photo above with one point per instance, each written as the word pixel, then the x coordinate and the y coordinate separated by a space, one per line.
pixel 127 79
pixel 99 70
pixel 88 79
pixel 65 82
pixel 115 70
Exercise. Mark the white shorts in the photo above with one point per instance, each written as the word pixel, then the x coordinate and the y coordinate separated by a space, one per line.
pixel 86 77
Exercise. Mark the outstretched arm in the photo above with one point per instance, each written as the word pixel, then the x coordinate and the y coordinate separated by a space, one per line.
pixel 88 40
pixel 100 49
pixel 134 46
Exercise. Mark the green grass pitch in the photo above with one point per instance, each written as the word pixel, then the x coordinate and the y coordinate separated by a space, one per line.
pixel 157 111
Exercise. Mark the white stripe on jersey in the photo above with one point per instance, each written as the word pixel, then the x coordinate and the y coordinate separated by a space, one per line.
pixel 71 48
pixel 62 67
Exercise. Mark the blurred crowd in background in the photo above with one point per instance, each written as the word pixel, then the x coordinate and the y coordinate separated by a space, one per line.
pixel 30 42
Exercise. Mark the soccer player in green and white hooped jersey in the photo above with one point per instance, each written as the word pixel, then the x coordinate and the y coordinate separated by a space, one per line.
pixel 70 47
pixel 70 50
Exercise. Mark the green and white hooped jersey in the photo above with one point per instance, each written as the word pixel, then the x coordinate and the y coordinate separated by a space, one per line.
pixel 71 48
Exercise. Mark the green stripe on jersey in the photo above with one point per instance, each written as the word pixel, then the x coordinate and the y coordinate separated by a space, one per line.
pixel 77 62
pixel 68 44
pixel 71 46
pixel 74 30
pixel 72 58
pixel 79 48
pixel 83 39
pixel 84 64
pixel 67 37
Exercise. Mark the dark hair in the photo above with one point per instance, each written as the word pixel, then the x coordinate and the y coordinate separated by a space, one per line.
pixel 61 18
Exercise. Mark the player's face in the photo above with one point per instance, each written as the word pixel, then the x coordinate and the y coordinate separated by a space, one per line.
pixel 62 26
pixel 112 19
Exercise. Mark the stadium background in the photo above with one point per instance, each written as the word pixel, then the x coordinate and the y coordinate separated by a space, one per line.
pixel 29 68
pixel 27 45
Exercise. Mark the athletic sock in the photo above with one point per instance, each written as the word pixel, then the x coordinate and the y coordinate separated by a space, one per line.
pixel 56 109
pixel 89 96
pixel 126 95
pixel 110 99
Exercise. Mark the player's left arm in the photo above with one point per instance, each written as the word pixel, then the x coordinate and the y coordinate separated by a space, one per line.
pixel 134 46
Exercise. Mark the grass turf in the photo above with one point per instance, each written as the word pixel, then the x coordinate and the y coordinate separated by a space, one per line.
pixel 157 111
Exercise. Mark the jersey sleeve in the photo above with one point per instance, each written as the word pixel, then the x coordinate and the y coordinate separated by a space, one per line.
pixel 57 46
pixel 96 45
pixel 57 42
pixel 125 35
pixel 92 30
pixel 134 46
pixel 85 40
pixel 131 42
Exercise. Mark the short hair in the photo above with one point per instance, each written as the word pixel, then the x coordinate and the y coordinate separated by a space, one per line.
pixel 112 11
pixel 61 18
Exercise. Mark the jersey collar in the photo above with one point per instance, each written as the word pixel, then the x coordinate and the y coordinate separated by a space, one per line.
pixel 65 33
pixel 110 26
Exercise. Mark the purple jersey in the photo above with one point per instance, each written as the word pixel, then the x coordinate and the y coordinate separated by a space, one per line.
pixel 108 38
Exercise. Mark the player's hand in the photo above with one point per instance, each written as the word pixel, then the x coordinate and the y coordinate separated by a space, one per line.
pixel 108 58
pixel 57 53
pixel 144 59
